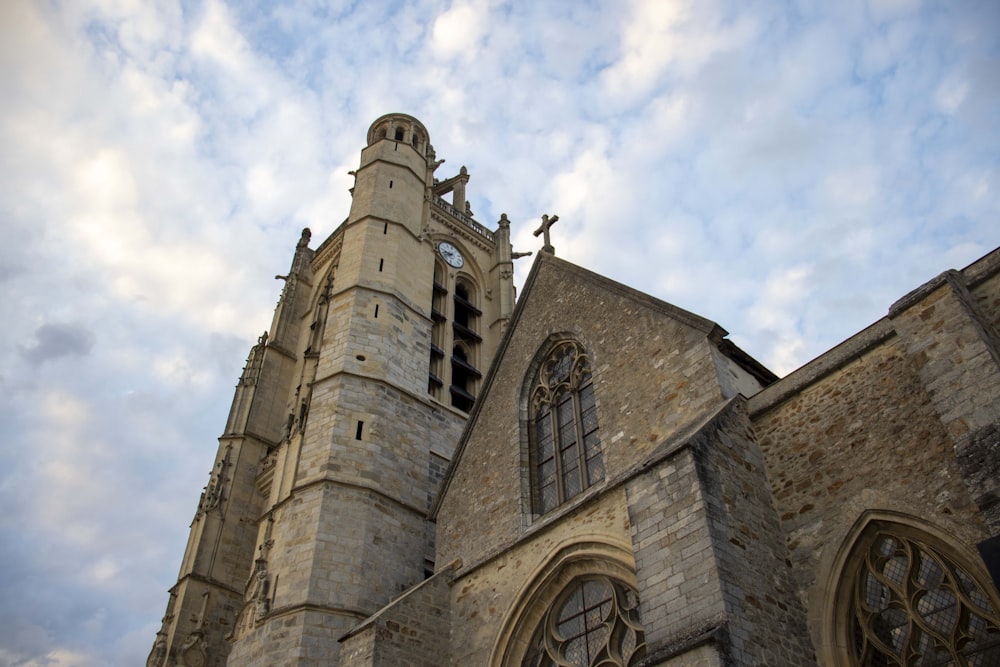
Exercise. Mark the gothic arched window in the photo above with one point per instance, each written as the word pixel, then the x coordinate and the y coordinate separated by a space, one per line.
pixel 565 443
pixel 595 621
pixel 912 603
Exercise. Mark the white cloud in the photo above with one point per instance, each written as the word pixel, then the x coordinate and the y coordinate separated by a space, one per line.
pixel 951 93
pixel 650 43
pixel 787 172
pixel 776 315
pixel 854 189
pixel 669 35
pixel 459 30
pixel 883 10
pixel 58 658
pixel 217 39
pixel 180 370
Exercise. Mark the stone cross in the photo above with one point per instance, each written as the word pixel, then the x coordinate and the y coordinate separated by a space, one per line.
pixel 544 229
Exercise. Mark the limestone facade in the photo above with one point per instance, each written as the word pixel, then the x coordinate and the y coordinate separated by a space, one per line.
pixel 345 420
pixel 379 499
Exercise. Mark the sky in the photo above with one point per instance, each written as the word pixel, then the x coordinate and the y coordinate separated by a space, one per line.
pixel 786 169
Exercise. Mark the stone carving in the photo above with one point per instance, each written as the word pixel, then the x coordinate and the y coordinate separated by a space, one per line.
pixel 257 595
pixel 159 653
pixel 261 590
pixel 194 652
pixel 251 371
pixel 211 496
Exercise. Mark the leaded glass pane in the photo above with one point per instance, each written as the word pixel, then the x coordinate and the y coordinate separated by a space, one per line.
pixel 561 365
pixel 571 475
pixel 547 472
pixel 570 628
pixel 566 417
pixel 564 412
pixel 595 462
pixel 588 409
pixel 594 622
pixel 913 606
pixel 549 497
pixel 543 435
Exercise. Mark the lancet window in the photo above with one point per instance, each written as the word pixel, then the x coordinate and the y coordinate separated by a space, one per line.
pixel 594 622
pixel 913 604
pixel 563 429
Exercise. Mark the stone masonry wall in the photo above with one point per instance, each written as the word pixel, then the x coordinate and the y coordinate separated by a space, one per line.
pixel 856 439
pixel 412 631
pixel 765 619
pixel 483 598
pixel 954 348
pixel 397 432
pixel 306 638
pixel 987 297
pixel 649 378
pixel 699 656
pixel 680 594
pixel 710 556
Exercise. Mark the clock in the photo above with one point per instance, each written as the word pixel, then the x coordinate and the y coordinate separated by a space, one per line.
pixel 451 254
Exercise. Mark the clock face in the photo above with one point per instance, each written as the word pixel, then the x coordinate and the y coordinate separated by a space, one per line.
pixel 451 254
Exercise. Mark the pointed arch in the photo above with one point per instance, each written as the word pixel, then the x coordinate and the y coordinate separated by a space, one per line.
pixel 319 307
pixel 559 409
pixel 905 592
pixel 571 574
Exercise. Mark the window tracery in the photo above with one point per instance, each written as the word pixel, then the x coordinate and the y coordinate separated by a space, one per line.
pixel 563 428
pixel 594 622
pixel 913 604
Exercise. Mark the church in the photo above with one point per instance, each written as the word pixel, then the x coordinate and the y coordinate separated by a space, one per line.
pixel 420 470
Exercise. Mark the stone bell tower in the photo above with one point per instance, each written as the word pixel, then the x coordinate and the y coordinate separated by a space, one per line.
pixel 344 419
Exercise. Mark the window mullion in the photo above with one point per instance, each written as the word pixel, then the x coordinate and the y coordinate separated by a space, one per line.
pixel 557 452
pixel 581 454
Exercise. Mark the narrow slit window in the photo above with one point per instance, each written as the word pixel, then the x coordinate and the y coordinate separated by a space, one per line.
pixel 381 262
pixel 360 430
pixel 376 310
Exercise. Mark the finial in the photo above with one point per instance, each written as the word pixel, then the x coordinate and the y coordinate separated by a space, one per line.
pixel 304 239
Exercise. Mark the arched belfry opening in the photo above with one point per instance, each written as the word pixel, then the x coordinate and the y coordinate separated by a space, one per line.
pixel 465 372
pixel 463 377
pixel 439 331
pixel 456 342
pixel 402 128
